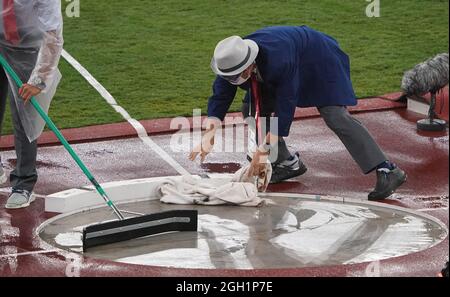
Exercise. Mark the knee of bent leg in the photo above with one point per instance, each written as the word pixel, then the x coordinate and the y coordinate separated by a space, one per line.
pixel 337 121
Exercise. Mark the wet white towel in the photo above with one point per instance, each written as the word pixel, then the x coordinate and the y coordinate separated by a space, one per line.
pixel 240 190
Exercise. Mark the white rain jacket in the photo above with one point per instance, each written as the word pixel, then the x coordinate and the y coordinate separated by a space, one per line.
pixel 31 41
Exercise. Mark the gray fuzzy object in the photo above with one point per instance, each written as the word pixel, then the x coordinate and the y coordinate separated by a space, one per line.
pixel 429 76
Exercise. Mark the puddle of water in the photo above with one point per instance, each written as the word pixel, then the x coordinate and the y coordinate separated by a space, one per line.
pixel 291 233
pixel 39 164
pixel 97 153
pixel 221 167
pixel 433 202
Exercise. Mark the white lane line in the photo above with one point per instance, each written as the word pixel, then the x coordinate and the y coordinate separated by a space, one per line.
pixel 141 132
pixel 28 253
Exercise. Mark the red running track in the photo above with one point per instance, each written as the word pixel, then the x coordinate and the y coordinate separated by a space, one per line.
pixel 331 171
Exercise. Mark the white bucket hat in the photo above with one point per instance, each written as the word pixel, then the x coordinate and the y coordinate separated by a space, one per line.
pixel 233 55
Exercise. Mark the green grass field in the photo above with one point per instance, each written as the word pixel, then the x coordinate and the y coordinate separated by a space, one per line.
pixel 153 56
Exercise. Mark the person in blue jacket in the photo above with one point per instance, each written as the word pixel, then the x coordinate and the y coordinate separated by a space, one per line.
pixel 285 67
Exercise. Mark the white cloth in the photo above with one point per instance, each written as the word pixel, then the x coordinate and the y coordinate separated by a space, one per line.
pixel 240 190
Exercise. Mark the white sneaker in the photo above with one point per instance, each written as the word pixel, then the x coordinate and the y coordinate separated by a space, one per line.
pixel 3 177
pixel 19 199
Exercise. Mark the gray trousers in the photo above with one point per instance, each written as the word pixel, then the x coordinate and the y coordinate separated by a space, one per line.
pixel 24 176
pixel 355 137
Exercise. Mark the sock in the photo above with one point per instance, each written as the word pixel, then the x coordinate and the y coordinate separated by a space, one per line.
pixel 291 161
pixel 292 157
pixel 386 165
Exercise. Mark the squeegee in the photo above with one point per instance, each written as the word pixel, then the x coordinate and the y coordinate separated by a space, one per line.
pixel 123 228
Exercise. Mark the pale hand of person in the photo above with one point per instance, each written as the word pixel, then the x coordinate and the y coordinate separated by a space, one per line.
pixel 207 143
pixel 202 149
pixel 260 157
pixel 27 91
pixel 258 164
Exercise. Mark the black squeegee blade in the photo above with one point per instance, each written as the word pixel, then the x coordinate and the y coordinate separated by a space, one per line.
pixel 116 231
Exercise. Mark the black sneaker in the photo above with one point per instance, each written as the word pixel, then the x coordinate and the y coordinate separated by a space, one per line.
pixel 387 182
pixel 444 272
pixel 288 169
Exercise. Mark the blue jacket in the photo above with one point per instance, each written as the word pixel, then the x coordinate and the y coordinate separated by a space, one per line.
pixel 303 67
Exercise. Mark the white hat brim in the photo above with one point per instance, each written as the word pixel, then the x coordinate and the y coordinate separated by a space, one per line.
pixel 254 49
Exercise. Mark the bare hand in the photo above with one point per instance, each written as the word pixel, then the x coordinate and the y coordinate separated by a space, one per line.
pixel 204 148
pixel 258 164
pixel 27 91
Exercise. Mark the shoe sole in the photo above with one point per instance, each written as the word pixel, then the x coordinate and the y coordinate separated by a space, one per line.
pixel 32 198
pixel 299 172
pixel 391 192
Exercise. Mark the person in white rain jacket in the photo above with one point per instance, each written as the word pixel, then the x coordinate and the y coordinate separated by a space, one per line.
pixel 31 41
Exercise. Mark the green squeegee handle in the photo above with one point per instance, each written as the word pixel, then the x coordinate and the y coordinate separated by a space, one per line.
pixel 61 138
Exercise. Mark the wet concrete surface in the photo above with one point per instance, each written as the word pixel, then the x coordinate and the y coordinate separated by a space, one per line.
pixel 290 233
pixel 331 171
